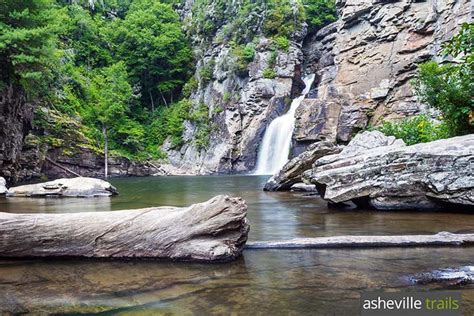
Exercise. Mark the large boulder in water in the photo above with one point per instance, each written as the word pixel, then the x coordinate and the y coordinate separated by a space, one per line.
pixel 75 187
pixel 432 175
pixel 292 171
pixel 3 186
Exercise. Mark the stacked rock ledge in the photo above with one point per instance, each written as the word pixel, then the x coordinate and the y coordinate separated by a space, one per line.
pixel 393 176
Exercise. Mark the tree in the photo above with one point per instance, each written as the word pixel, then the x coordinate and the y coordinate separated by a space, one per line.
pixel 151 42
pixel 28 36
pixel 110 94
pixel 319 13
pixel 449 87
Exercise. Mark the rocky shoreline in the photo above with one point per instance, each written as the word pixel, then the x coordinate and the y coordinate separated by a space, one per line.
pixel 383 173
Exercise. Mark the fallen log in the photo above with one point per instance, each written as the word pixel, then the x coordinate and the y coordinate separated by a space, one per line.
pixel 440 239
pixel 215 230
pixel 54 163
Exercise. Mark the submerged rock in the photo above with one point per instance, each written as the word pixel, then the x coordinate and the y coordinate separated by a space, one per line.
pixel 75 187
pixel 451 276
pixel 291 173
pixel 432 175
pixel 3 186
pixel 303 187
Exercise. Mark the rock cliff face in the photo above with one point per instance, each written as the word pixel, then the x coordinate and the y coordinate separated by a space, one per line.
pixel 365 60
pixel 15 121
pixel 57 148
pixel 241 104
pixel 363 65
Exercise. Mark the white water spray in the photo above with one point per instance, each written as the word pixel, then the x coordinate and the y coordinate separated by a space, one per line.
pixel 276 144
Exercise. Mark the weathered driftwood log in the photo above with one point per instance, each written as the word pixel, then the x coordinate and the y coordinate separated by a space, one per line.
pixel 215 230
pixel 440 239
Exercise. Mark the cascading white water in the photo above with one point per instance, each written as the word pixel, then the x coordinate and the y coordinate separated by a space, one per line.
pixel 276 144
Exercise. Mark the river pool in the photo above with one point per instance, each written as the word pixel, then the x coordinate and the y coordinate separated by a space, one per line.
pixel 261 282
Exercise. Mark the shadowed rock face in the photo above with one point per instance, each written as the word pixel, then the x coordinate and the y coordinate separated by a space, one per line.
pixel 433 175
pixel 215 230
pixel 15 121
pixel 75 187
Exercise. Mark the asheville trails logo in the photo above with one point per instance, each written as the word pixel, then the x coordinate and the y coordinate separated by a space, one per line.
pixel 411 303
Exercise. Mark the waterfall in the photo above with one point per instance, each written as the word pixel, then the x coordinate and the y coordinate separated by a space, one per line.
pixel 275 148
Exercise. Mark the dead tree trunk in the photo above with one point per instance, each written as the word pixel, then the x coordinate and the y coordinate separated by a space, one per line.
pixel 106 152
pixel 215 230
pixel 440 239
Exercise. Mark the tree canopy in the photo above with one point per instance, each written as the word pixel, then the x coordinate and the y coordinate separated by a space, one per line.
pixel 28 39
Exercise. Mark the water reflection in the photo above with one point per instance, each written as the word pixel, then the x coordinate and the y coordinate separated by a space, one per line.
pixel 278 282
pixel 272 215
pixel 55 205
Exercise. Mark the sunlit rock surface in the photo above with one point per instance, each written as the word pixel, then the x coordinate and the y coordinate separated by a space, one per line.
pixel 434 175
pixel 3 186
pixel 365 61
pixel 74 187
pixel 291 173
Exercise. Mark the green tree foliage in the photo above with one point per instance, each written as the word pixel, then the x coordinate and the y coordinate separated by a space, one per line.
pixel 319 13
pixel 169 122
pixel 87 38
pixel 417 129
pixel 28 35
pixel 281 19
pixel 449 87
pixel 118 68
pixel 153 46
pixel 110 93
pixel 122 61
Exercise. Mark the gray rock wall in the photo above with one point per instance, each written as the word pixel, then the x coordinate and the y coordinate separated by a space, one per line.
pixel 15 121
pixel 240 106
pixel 365 62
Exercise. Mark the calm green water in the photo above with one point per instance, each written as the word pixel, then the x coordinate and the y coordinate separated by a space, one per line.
pixel 262 282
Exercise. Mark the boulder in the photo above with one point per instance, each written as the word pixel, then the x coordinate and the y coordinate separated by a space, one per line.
pixel 3 186
pixel 435 175
pixel 74 187
pixel 291 173
pixel 215 230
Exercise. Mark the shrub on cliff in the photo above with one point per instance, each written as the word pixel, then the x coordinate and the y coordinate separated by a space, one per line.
pixel 449 87
pixel 319 13
pixel 416 129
